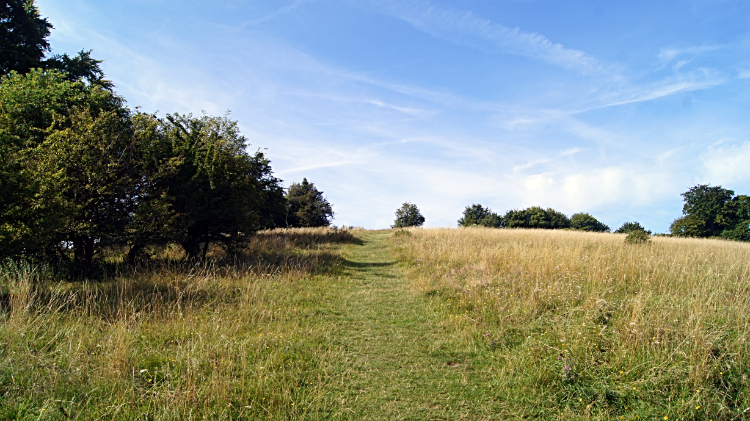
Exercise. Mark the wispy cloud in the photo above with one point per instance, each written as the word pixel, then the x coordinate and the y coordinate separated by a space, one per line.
pixel 667 55
pixel 463 27
pixel 281 11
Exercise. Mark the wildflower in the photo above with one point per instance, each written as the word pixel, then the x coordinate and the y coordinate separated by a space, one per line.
pixel 698 407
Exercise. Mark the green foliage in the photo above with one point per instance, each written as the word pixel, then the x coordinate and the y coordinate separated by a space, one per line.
pixel 479 215
pixel 638 237
pixel 307 206
pixel 629 227
pixel 408 215
pixel 219 191
pixel 40 114
pixel 535 217
pixel 713 212
pixel 586 222
pixel 82 172
pixel 23 36
pixel 23 45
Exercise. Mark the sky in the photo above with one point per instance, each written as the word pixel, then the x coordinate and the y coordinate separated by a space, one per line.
pixel 610 108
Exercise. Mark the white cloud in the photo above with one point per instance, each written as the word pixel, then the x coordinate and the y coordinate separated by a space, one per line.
pixel 728 164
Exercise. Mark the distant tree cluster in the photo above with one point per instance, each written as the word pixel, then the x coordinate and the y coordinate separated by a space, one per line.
pixel 713 212
pixel 533 217
pixel 80 171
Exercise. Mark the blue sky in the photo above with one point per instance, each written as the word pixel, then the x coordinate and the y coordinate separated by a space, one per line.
pixel 611 108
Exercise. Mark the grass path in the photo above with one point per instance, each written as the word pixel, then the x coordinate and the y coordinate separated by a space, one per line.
pixel 398 362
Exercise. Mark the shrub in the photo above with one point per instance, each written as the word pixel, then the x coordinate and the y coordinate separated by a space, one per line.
pixel 629 227
pixel 638 237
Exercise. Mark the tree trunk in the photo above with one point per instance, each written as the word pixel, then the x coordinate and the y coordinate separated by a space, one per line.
pixel 83 249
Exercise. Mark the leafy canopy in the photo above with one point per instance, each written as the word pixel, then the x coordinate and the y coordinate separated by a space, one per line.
pixel 24 45
pixel 307 206
pixel 479 215
pixel 535 217
pixel 408 215
pixel 713 212
pixel 42 116
pixel 586 222
pixel 629 227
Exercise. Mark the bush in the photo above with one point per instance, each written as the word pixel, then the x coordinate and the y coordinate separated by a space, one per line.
pixel 408 216
pixel 586 222
pixel 638 237
pixel 629 227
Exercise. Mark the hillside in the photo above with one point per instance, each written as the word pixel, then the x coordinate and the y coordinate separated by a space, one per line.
pixel 418 324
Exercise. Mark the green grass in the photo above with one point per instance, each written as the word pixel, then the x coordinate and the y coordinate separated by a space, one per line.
pixel 320 325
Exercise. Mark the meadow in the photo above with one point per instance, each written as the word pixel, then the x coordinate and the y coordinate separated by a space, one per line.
pixel 222 339
pixel 584 325
pixel 410 324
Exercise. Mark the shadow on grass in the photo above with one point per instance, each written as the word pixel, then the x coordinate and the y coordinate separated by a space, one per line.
pixel 166 283
pixel 362 265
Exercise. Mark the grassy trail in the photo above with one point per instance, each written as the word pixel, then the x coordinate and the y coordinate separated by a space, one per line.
pixel 397 362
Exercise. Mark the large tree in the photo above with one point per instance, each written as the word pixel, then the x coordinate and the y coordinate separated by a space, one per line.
pixel 479 215
pixel 44 121
pixel 307 206
pixel 707 212
pixel 24 46
pixel 220 193
pixel 23 36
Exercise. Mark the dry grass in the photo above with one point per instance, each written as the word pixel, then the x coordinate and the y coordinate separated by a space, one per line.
pixel 221 339
pixel 586 324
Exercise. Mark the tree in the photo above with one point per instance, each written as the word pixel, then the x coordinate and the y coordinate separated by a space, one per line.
pixel 23 46
pixel 479 215
pixel 629 227
pixel 586 222
pixel 408 215
pixel 535 217
pixel 707 212
pixel 307 206
pixel 23 36
pixel 43 117
pixel 219 192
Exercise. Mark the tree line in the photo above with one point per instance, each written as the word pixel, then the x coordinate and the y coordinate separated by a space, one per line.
pixel 707 212
pixel 80 171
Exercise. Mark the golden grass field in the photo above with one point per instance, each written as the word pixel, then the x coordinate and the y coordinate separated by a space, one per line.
pixel 611 324
pixel 314 324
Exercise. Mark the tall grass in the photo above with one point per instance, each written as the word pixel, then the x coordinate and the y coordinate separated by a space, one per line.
pixel 225 338
pixel 585 325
